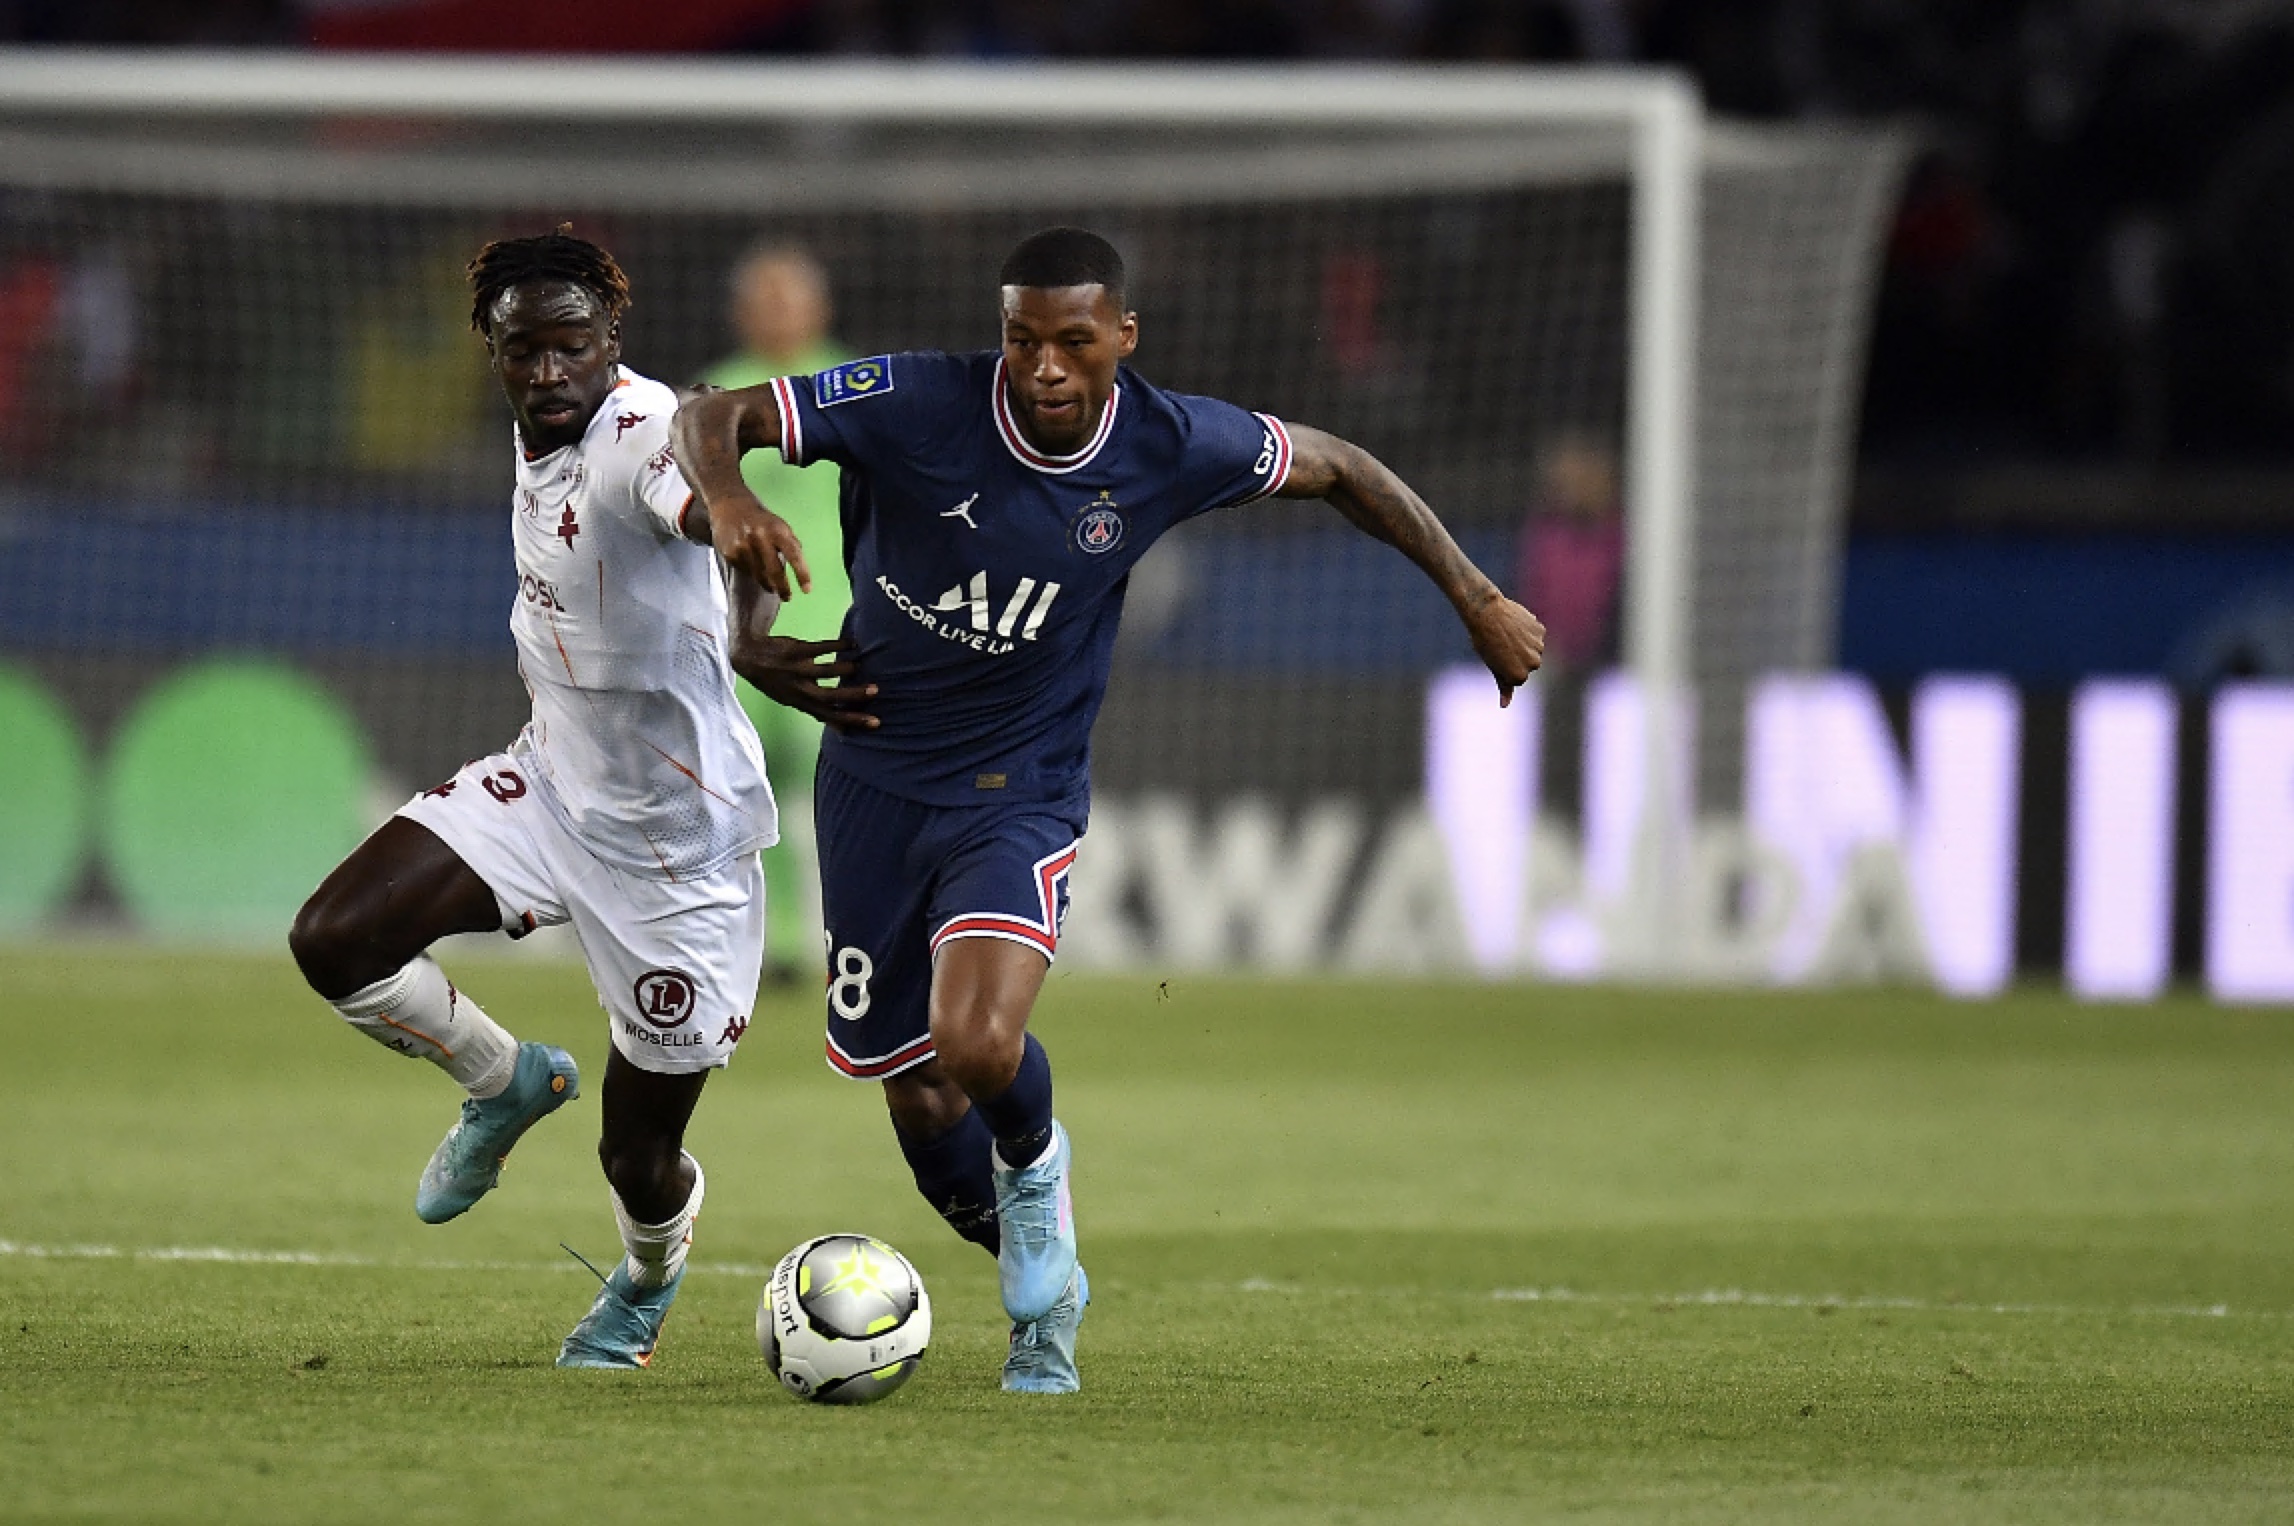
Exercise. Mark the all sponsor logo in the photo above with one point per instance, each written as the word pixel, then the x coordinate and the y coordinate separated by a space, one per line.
pixel 982 629
pixel 665 998
pixel 625 422
pixel 1099 528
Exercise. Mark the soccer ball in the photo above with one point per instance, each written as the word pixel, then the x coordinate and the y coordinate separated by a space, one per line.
pixel 844 1320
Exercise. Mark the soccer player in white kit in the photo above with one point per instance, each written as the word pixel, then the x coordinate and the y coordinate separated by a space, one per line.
pixel 632 805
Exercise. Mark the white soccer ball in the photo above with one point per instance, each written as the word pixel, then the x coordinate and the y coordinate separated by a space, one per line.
pixel 844 1320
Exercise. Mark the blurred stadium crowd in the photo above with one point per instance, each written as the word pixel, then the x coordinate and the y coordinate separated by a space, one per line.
pixel 2094 260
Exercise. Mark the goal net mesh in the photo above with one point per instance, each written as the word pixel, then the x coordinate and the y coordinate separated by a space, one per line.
pixel 241 411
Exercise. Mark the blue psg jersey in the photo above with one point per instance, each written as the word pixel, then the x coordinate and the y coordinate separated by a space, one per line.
pixel 988 576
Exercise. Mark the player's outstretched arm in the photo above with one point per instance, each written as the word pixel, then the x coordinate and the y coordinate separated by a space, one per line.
pixel 1506 636
pixel 709 434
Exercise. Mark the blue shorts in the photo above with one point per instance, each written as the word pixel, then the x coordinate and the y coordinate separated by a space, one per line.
pixel 898 879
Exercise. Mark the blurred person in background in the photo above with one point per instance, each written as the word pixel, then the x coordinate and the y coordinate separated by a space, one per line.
pixel 780 312
pixel 1571 557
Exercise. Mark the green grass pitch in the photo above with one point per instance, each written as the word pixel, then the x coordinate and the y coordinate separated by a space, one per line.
pixel 1362 1252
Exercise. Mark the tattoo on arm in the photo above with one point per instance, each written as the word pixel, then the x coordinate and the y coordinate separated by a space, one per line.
pixel 1367 492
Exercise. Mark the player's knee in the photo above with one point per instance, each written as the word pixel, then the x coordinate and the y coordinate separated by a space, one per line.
pixel 980 1043
pixel 326 940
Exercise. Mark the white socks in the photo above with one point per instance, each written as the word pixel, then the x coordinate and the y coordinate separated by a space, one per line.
pixel 417 1011
pixel 657 1251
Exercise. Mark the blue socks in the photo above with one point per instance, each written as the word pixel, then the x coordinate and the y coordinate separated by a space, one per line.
pixel 1020 1116
pixel 954 1174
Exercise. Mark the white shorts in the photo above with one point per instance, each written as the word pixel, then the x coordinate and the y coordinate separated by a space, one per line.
pixel 675 963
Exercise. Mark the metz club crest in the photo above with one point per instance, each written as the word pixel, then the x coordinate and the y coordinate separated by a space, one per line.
pixel 1099 528
pixel 665 998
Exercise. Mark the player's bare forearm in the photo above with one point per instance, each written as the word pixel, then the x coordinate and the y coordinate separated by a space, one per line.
pixel 713 429
pixel 709 435
pixel 1506 636
pixel 1365 490
pixel 754 608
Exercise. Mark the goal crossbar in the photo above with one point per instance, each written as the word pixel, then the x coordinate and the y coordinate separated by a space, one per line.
pixel 86 81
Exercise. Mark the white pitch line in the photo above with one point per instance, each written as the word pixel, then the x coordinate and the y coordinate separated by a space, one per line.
pixel 229 1256
pixel 1739 1298
pixel 1708 1298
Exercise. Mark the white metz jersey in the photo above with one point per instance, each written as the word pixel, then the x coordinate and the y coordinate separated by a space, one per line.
pixel 637 738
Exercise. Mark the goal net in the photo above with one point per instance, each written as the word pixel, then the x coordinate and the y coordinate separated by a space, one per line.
pixel 254 565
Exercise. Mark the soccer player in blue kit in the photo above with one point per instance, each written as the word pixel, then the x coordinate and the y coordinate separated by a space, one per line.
pixel 993 507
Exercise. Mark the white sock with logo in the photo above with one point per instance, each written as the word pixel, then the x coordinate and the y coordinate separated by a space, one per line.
pixel 657 1251
pixel 418 1012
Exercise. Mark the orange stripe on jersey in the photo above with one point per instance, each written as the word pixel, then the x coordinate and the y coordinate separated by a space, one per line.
pixel 688 773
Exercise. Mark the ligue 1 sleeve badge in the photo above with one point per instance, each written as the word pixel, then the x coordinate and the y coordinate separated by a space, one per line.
pixel 1099 528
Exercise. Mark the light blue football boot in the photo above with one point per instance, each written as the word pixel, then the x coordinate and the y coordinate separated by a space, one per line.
pixel 468 1161
pixel 1042 1359
pixel 621 1328
pixel 1036 1224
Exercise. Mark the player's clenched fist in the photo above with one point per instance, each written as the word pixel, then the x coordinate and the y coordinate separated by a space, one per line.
pixel 759 542
pixel 1510 640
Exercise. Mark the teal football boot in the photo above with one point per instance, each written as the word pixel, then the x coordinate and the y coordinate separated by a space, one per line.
pixel 621 1328
pixel 1042 1359
pixel 468 1161
pixel 1036 1225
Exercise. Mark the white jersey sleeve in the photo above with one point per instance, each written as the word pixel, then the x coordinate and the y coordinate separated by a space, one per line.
pixel 638 463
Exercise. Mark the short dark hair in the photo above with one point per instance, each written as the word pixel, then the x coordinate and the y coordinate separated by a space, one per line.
pixel 553 256
pixel 1065 257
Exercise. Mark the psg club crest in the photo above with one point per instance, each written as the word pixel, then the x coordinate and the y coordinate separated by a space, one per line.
pixel 1099 529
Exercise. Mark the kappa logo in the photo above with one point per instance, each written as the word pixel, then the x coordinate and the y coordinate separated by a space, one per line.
pixel 1099 530
pixel 623 423
pixel 665 998
pixel 853 380
pixel 963 511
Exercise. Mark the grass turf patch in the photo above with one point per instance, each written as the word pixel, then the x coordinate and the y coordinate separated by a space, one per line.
pixel 1360 1252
